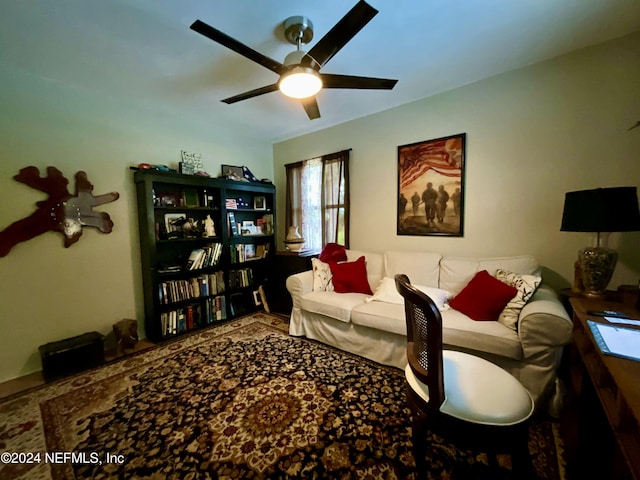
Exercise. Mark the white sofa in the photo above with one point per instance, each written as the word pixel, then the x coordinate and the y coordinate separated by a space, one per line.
pixel 377 330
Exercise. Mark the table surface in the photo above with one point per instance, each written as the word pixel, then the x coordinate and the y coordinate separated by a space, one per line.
pixel 616 380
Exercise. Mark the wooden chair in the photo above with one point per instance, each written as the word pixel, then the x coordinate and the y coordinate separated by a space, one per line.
pixel 463 398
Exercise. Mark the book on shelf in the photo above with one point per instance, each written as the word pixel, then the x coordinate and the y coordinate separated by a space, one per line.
pixel 216 309
pixel 204 257
pixel 204 285
pixel 233 225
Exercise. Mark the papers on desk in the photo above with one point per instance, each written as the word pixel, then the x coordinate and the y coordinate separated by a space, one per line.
pixel 619 341
pixel 622 320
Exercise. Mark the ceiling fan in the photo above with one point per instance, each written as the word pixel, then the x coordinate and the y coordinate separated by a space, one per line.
pixel 300 75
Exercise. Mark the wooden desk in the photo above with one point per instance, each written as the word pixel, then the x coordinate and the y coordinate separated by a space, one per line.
pixel 616 382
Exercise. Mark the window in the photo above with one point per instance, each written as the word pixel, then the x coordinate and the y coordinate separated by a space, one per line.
pixel 318 199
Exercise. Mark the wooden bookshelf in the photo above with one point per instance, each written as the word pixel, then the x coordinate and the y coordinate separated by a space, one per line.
pixel 193 277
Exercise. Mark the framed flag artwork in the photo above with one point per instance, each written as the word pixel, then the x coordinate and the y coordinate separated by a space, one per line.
pixel 431 187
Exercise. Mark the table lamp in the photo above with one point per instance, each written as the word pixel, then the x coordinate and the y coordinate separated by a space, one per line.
pixel 601 210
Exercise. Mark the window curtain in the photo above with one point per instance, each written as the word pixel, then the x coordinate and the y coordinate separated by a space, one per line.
pixel 317 199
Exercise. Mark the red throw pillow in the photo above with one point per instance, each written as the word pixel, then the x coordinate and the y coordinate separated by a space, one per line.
pixel 332 252
pixel 350 277
pixel 484 297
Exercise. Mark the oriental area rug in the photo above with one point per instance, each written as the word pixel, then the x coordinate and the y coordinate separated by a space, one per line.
pixel 241 400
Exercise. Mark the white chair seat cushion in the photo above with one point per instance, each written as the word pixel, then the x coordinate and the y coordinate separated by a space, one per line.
pixel 477 391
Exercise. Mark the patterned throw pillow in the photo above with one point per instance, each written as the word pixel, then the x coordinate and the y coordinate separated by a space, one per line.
pixel 321 276
pixel 526 286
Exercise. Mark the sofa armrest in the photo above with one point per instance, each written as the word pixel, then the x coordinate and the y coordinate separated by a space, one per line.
pixel 298 285
pixel 544 321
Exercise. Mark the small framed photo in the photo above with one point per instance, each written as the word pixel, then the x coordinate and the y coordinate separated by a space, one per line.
pixel 169 200
pixel 232 172
pixel 174 223
pixel 190 197
pixel 259 203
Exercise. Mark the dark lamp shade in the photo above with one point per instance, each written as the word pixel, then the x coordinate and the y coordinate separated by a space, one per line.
pixel 601 210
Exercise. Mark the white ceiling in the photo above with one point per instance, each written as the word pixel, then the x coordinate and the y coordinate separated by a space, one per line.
pixel 143 54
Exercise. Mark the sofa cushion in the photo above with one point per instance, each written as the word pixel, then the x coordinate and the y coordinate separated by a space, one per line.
pixel 388 293
pixel 374 263
pixel 388 317
pixel 490 337
pixel 332 304
pixel 526 286
pixel 457 272
pixel 350 277
pixel 484 297
pixel 422 268
pixel 321 276
pixel 458 330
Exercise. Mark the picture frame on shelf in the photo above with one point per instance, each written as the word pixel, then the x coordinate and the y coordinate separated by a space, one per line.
pixel 169 199
pixel 191 163
pixel 232 172
pixel 173 223
pixel 259 203
pixel 190 197
pixel 431 178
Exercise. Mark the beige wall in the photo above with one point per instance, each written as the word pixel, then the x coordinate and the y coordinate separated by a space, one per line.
pixel 532 135
pixel 47 292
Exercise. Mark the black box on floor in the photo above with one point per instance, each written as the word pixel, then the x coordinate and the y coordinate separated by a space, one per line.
pixel 72 355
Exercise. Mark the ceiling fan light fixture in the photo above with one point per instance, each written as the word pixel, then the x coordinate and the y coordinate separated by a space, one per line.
pixel 300 82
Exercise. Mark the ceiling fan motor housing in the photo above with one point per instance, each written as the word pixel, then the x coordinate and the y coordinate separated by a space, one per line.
pixel 298 29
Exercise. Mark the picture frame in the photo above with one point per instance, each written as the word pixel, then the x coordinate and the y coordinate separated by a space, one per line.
pixel 232 172
pixel 430 195
pixel 191 163
pixel 190 197
pixel 173 223
pixel 259 203
pixel 169 199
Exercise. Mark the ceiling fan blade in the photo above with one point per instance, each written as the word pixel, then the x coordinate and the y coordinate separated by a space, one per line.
pixel 310 106
pixel 349 81
pixel 251 93
pixel 342 32
pixel 233 44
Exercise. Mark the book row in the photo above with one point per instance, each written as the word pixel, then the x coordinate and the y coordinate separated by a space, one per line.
pixel 189 317
pixel 244 252
pixel 204 257
pixel 203 285
pixel 242 277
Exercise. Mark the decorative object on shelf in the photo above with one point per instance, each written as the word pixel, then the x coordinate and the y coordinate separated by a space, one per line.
pixel 259 203
pixel 174 223
pixel 60 212
pixel 601 210
pixel 248 175
pixel 294 241
pixel 209 228
pixel 191 163
pixel 231 172
pixel 431 185
pixel 190 197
